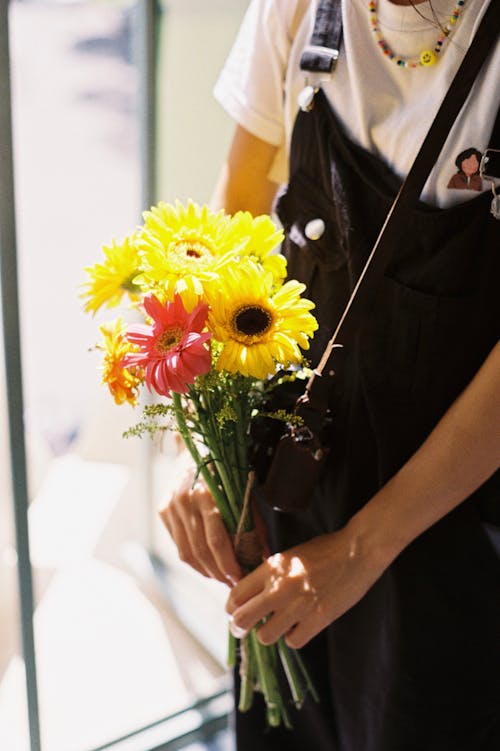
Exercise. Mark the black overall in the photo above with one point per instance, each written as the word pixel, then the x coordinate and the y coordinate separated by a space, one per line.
pixel 415 665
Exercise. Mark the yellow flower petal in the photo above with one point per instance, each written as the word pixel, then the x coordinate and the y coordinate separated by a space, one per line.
pixel 183 243
pixel 114 277
pixel 258 327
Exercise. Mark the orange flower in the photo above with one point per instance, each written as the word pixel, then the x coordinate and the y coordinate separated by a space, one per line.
pixel 123 382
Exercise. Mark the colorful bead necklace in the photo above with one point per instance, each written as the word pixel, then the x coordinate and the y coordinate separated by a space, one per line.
pixel 427 57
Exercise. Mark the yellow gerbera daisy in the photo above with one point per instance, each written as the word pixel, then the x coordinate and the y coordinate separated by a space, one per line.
pixel 258 326
pixel 111 279
pixel 181 248
pixel 123 383
pixel 262 238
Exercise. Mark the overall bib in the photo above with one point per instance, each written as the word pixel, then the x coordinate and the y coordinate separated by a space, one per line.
pixel 415 665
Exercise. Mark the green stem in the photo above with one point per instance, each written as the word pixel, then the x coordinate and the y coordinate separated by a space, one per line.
pixel 239 404
pixel 291 673
pixel 217 448
pixel 267 681
pixel 247 676
pixel 242 459
pixel 246 694
pixel 235 465
pixel 286 717
pixel 229 490
pixel 231 650
pixel 230 519
pixel 305 673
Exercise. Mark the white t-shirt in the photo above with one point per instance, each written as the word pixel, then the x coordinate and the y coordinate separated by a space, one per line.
pixel 383 107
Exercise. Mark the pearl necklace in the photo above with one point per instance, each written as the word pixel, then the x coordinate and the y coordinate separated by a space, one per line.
pixel 427 57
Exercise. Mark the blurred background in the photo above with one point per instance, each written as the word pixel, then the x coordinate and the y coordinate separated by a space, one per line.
pixel 130 645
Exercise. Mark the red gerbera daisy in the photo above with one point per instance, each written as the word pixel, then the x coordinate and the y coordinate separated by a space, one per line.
pixel 172 351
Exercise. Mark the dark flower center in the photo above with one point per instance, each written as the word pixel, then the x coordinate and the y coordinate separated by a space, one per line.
pixel 168 339
pixel 192 249
pixel 252 320
pixel 128 285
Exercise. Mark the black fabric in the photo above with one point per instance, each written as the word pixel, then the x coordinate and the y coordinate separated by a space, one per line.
pixel 415 664
pixel 394 226
pixel 326 37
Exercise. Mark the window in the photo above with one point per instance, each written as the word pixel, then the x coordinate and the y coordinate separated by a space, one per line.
pixel 120 655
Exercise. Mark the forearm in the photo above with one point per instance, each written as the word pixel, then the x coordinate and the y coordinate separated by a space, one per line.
pixel 243 183
pixel 461 453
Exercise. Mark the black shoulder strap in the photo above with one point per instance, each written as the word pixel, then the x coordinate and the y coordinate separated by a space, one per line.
pixel 322 52
pixel 494 142
pixel 317 389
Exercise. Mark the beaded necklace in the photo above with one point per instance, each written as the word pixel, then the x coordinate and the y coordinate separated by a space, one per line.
pixel 427 57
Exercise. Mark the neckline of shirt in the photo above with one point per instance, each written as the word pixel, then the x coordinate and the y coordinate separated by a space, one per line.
pixel 406 18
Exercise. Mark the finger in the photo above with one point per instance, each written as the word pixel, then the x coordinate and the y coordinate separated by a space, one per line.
pixel 248 587
pixel 248 615
pixel 237 632
pixel 163 514
pixel 179 443
pixel 220 544
pixel 277 625
pixel 189 505
pixel 195 531
pixel 185 506
pixel 181 540
pixel 303 632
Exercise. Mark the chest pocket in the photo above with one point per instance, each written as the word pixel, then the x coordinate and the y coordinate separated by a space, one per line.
pixel 436 313
pixel 309 219
pixel 315 251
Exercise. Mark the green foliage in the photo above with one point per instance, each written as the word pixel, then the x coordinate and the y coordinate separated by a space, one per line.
pixel 226 413
pixel 156 418
pixel 295 421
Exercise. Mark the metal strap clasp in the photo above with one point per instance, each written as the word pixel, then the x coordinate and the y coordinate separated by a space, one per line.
pixel 489 168
pixel 316 49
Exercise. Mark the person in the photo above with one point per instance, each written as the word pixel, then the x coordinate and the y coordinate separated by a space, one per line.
pixel 389 580
pixel 467 177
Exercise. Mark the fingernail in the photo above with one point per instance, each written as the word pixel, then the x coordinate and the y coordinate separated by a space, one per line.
pixel 236 631
pixel 232 580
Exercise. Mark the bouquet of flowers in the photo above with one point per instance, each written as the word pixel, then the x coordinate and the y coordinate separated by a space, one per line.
pixel 221 327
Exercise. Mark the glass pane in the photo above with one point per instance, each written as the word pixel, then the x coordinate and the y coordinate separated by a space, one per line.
pixel 125 633
pixel 12 687
pixel 114 653
pixel 194 131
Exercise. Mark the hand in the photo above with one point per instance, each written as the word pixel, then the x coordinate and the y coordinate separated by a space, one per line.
pixel 195 525
pixel 304 589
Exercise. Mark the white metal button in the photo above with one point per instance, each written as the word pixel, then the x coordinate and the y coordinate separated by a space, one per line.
pixel 306 98
pixel 314 229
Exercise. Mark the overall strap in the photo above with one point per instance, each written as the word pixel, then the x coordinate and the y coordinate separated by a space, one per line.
pixel 321 54
pixel 489 167
pixel 494 142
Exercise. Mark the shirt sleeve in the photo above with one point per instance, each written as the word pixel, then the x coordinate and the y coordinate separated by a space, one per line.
pixel 251 85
